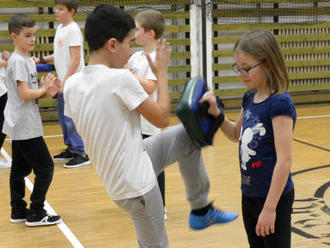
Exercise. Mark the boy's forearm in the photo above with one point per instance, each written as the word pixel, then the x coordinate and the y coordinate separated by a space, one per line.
pixel 3 63
pixel 163 98
pixel 49 58
pixel 31 94
pixel 72 69
pixel 148 85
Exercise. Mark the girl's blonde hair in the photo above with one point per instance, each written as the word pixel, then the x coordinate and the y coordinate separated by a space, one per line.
pixel 263 46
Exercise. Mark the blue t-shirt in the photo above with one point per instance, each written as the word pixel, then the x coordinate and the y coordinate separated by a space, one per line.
pixel 257 152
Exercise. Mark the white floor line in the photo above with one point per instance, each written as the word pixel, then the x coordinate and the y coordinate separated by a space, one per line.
pixel 314 116
pixel 5 154
pixel 62 226
pixel 53 136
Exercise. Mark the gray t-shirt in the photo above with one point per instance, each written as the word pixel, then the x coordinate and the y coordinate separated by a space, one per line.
pixel 22 118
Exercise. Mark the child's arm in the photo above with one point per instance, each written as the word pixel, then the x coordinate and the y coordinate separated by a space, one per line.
pixel 158 113
pixel 230 128
pixel 4 59
pixel 74 64
pixel 283 136
pixel 3 63
pixel 48 59
pixel 28 94
pixel 148 85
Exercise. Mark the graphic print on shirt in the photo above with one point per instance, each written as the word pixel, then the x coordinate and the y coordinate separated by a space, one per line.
pixel 249 138
pixel 34 82
pixel 60 41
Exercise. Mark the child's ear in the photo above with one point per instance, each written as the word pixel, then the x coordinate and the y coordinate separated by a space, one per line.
pixel 13 36
pixel 152 33
pixel 73 11
pixel 111 44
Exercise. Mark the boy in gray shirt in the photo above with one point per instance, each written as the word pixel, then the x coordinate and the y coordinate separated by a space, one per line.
pixel 23 125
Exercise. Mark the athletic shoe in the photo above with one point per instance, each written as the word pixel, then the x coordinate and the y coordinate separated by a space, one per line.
pixel 65 155
pixel 18 217
pixel 77 161
pixel 42 219
pixel 213 216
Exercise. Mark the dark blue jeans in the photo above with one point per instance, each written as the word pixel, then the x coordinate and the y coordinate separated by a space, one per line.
pixel 70 135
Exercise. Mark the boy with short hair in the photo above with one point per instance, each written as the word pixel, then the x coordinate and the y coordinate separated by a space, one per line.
pixel 23 125
pixel 105 102
pixel 68 58
pixel 150 26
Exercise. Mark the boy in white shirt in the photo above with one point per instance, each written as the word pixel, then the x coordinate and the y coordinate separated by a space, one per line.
pixel 68 58
pixel 150 26
pixel 105 103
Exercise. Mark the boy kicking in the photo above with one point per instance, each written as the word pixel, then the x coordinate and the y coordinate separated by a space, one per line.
pixel 106 102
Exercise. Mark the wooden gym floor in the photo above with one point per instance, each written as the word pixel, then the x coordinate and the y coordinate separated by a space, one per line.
pixel 92 220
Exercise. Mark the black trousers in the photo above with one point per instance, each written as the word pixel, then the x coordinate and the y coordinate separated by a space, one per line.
pixel 160 178
pixel 251 209
pixel 3 100
pixel 28 155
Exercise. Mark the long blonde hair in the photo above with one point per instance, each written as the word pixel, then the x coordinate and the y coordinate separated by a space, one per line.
pixel 263 46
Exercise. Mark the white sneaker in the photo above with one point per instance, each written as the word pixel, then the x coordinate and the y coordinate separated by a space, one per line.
pixel 5 164
pixel 165 213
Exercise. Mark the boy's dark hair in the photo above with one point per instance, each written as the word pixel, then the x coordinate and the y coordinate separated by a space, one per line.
pixel 70 4
pixel 106 22
pixel 151 20
pixel 19 21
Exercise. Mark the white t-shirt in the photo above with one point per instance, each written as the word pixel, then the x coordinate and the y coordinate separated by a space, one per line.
pixel 66 37
pixel 102 102
pixel 139 64
pixel 22 118
pixel 3 87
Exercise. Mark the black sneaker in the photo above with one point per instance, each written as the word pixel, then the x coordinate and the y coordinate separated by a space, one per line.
pixel 65 155
pixel 18 217
pixel 77 161
pixel 42 219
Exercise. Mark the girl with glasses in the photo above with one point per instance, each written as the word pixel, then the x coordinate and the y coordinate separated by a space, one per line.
pixel 264 130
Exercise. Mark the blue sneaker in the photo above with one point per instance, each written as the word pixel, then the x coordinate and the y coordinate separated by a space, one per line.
pixel 213 216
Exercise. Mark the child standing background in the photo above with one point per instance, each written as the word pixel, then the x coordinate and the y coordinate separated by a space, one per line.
pixel 68 59
pixel 150 26
pixel 23 125
pixel 3 99
pixel 264 130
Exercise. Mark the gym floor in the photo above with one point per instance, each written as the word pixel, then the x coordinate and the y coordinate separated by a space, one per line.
pixel 91 219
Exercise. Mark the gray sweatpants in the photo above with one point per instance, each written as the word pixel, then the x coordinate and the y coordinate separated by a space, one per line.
pixel 170 146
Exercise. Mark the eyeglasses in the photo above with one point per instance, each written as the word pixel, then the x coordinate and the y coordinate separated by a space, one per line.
pixel 244 71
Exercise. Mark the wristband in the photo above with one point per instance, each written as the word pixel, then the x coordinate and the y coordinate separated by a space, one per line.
pixel 220 119
pixel 42 60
